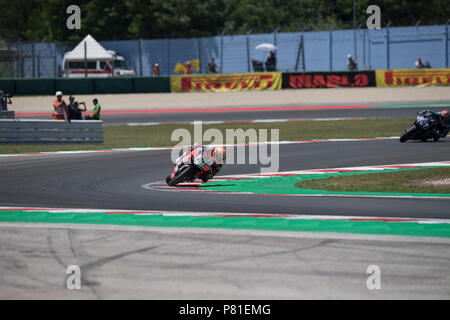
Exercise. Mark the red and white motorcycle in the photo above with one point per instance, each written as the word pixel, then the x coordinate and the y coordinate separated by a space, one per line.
pixel 188 167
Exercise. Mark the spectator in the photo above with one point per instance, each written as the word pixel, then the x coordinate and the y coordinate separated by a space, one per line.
pixel 155 70
pixel 188 67
pixel 5 99
pixel 419 64
pixel 212 67
pixel 96 112
pixel 271 62
pixel 60 108
pixel 351 64
pixel 74 109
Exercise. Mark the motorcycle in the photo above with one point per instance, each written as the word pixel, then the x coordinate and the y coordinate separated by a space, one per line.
pixel 423 128
pixel 188 167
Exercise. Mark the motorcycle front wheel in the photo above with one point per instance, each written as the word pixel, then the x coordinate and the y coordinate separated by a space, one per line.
pixel 184 174
pixel 409 133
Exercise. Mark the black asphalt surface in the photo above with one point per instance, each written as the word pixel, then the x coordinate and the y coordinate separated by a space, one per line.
pixel 114 181
pixel 120 119
pixel 182 263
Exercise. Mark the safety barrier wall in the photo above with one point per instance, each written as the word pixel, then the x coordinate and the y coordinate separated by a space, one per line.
pixel 51 131
pixel 228 82
pixel 85 85
pixel 8 85
pixel 379 78
pixel 412 77
pixel 329 79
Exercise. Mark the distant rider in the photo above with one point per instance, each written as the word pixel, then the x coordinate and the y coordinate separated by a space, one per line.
pixel 213 160
pixel 444 121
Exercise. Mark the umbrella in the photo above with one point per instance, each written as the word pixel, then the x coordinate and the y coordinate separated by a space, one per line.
pixel 266 47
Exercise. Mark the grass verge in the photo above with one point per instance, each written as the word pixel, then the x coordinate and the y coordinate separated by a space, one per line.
pixel 410 181
pixel 152 136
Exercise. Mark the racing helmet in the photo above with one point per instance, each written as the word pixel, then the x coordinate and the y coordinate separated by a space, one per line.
pixel 219 154
pixel 444 116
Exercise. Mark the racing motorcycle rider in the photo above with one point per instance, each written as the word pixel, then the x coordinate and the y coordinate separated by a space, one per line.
pixel 444 121
pixel 213 160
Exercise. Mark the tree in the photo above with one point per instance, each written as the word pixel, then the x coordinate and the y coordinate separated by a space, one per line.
pixel 45 20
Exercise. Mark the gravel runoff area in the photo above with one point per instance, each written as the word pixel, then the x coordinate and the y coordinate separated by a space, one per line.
pixel 294 97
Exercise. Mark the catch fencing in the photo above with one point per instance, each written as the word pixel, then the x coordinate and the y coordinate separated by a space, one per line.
pixel 386 48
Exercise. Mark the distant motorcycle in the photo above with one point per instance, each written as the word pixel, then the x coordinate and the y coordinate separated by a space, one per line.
pixel 423 128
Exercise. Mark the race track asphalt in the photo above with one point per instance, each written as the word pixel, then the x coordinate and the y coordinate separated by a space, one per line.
pixel 182 263
pixel 123 262
pixel 115 180
pixel 180 116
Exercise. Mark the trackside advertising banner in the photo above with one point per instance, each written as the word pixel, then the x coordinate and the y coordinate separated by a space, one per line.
pixel 412 77
pixel 329 79
pixel 226 82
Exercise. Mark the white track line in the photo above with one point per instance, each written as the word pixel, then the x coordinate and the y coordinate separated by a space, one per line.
pixel 137 124
pixel 180 147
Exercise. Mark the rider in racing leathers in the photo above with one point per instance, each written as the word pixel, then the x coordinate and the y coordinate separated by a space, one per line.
pixel 444 121
pixel 213 159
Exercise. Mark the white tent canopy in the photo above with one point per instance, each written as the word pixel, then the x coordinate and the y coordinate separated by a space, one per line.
pixel 94 50
pixel 266 47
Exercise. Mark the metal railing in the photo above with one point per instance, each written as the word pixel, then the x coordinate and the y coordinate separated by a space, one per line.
pixel 51 131
pixel 7 114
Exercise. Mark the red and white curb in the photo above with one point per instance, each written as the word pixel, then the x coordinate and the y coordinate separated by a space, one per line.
pixel 194 186
pixel 222 214
pixel 346 169
pixel 53 153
